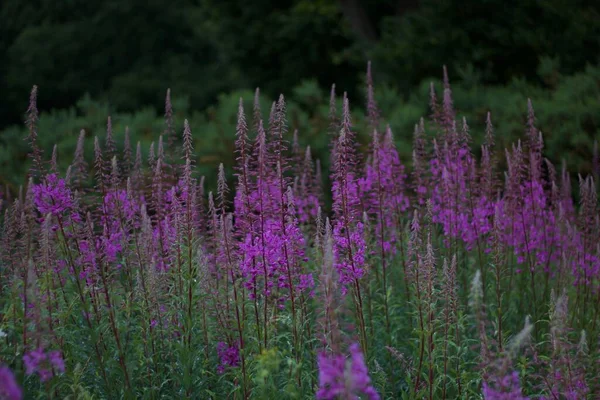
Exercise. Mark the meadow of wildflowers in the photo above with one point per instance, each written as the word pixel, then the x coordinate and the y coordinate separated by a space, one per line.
pixel 463 273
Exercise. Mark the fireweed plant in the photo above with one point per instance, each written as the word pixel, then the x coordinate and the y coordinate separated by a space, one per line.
pixel 474 273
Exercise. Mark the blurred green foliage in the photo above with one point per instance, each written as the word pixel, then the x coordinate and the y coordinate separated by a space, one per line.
pixel 494 41
pixel 125 53
pixel 568 114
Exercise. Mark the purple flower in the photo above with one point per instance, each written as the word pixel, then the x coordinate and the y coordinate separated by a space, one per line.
pixel 504 388
pixel 32 360
pixel 229 356
pixel 44 364
pixel 306 282
pixel 56 361
pixel 349 252
pixel 331 375
pixel 52 196
pixel 341 377
pixel 382 189
pixel 117 205
pixel 9 389
pixel 349 244
pixel 359 374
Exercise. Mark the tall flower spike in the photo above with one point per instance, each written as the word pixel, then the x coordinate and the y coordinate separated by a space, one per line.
pixel 333 116
pixel 197 205
pixel 307 168
pixel 68 178
pixel 127 155
pixel 428 271
pixel 346 117
pixel 99 166
pixel 419 158
pixel 552 180
pixel 31 123
pixel 319 229
pixel 272 117
pixel 565 182
pixel 129 189
pixel 161 151
pixel 449 288
pixel 345 160
pixel 448 110
pixel 331 335
pixel 214 230
pixel 109 143
pixel 188 145
pixel 137 165
pixel 161 155
pixel 157 189
pixel 489 132
pixel 278 144
pixel 47 252
pixel 582 347
pixel 256 112
pixel 80 166
pixel 446 80
pixel 54 160
pixel 169 131
pixel 241 141
pixel 447 104
pixel 372 109
pixel 589 203
pixel 521 338
pixel 260 148
pixel 465 136
pixel 319 180
pixel 222 188
pixel 375 145
pixel 478 309
pixel 476 292
pixel 151 157
pixel 280 123
pixel 388 137
pixel 114 173
pixel 433 104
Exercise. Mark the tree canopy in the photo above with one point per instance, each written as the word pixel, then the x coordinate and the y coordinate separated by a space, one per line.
pixel 128 52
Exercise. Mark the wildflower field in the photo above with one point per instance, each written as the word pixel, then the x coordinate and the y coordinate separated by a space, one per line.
pixel 461 273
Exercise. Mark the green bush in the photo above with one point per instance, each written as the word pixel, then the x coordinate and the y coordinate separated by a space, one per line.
pixel 568 114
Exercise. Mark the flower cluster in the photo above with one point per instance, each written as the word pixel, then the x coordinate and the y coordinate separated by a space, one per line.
pixel 382 190
pixel 44 363
pixel 9 388
pixel 505 388
pixel 52 196
pixel 342 378
pixel 229 356
pixel 150 263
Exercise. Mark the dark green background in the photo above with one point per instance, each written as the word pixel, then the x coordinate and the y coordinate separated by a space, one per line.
pixel 93 58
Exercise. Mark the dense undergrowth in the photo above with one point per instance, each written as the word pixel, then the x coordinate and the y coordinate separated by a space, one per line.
pixel 465 276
